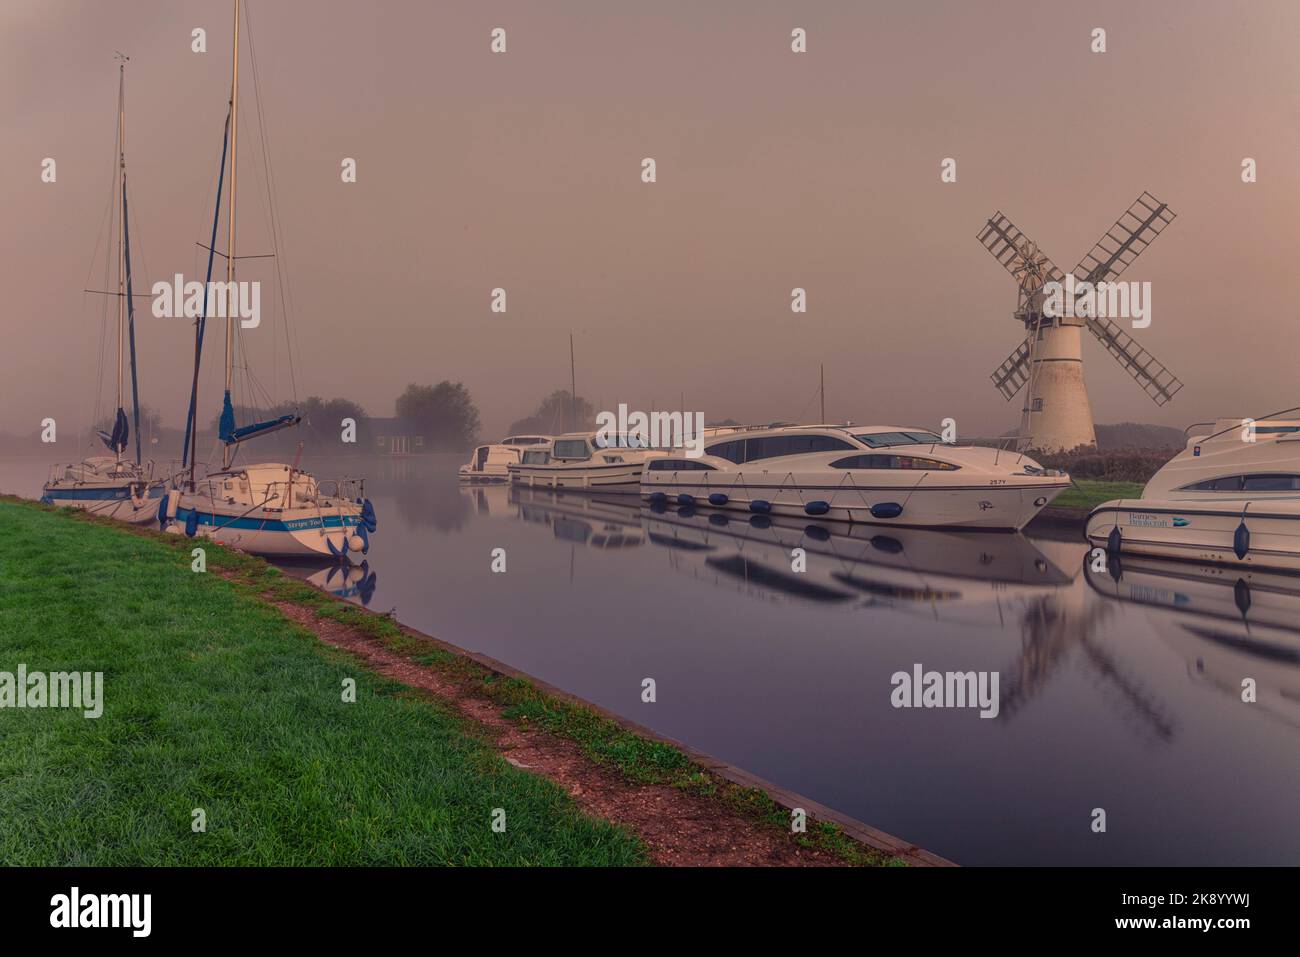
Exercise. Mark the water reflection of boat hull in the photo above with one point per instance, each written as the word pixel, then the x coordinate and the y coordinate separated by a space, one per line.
pixel 1228 624
pixel 858 565
pixel 603 522
pixel 489 500
pixel 354 583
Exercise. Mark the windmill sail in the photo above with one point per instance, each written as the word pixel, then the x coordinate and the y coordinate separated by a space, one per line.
pixel 1148 371
pixel 1132 233
pixel 1011 376
pixel 1001 237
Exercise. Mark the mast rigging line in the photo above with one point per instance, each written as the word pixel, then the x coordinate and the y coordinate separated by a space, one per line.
pixel 273 203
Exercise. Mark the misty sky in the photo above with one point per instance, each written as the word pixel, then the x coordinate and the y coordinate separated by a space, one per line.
pixel 775 170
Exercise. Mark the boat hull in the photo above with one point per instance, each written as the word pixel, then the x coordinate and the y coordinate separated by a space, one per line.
pixel 1001 507
pixel 623 477
pixel 111 500
pixel 278 533
pixel 1203 532
pixel 488 475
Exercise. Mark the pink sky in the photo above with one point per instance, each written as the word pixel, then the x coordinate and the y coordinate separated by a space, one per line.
pixel 775 170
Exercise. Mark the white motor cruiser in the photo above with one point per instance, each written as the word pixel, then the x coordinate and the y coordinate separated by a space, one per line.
pixel 488 462
pixel 584 461
pixel 1232 496
pixel 877 474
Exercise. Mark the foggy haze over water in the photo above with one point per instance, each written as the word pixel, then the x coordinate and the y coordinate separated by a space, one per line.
pixel 522 171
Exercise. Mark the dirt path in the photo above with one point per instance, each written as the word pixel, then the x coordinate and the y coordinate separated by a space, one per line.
pixel 678 828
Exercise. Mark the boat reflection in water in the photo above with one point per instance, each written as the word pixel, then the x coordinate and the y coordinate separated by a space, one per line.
pixel 1228 624
pixel 354 583
pixel 948 574
pixel 1007 582
pixel 603 522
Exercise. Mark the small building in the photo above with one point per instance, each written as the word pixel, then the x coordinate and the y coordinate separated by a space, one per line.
pixel 396 436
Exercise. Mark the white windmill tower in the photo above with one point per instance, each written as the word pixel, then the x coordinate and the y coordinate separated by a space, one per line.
pixel 1049 362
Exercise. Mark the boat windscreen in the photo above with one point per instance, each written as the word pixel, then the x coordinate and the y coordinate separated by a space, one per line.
pixel 883 440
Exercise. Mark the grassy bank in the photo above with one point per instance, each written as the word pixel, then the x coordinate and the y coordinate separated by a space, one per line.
pixel 1092 492
pixel 214 701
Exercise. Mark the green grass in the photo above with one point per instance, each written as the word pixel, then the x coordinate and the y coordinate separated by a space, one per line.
pixel 1092 492
pixel 213 700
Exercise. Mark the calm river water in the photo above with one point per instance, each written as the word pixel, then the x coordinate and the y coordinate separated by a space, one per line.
pixel 1123 695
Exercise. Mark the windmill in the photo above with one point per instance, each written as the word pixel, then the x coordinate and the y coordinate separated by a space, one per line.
pixel 1048 364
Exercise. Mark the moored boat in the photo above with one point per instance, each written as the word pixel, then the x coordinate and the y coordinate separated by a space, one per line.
pixel 874 474
pixel 583 461
pixel 487 463
pixel 1231 497
pixel 114 486
pixel 105 485
pixel 268 509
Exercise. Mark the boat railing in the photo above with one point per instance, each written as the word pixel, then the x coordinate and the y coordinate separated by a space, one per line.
pixel 348 488
pixel 78 473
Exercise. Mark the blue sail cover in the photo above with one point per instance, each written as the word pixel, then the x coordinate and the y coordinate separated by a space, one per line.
pixel 121 432
pixel 262 428
pixel 190 416
pixel 231 435
pixel 130 318
pixel 226 427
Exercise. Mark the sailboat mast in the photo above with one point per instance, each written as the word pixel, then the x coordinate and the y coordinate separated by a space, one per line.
pixel 573 390
pixel 230 218
pixel 121 240
pixel 823 392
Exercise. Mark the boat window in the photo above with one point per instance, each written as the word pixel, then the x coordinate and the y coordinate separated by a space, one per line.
pixel 1260 482
pixel 570 449
pixel 1270 483
pixel 621 440
pixel 893 462
pixel 733 451
pixel 535 457
pixel 773 446
pixel 881 440
pixel 1275 429
pixel 679 465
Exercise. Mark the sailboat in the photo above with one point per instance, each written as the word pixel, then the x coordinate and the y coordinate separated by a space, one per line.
pixel 269 509
pixel 114 485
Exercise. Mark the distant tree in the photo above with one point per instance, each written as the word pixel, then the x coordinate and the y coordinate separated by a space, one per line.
pixel 445 413
pixel 556 414
pixel 323 420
